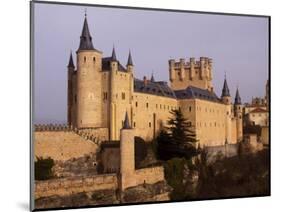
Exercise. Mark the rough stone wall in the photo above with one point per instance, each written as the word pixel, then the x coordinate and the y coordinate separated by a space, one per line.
pixel 150 113
pixel 68 186
pixel 149 175
pixel 64 145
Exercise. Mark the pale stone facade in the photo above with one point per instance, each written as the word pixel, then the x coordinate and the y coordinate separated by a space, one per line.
pixel 101 90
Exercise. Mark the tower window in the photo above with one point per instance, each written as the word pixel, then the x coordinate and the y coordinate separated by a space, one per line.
pixel 123 95
pixel 149 124
pixel 136 104
pixel 134 124
pixel 189 108
pixel 84 59
pixel 147 105
pixel 156 106
pixel 94 59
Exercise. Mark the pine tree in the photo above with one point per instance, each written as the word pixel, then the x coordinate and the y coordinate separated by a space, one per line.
pixel 178 139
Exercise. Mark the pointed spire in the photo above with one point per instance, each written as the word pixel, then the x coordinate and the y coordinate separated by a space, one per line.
pixel 152 78
pixel 225 90
pixel 85 38
pixel 113 56
pixel 130 61
pixel 237 98
pixel 126 122
pixel 70 63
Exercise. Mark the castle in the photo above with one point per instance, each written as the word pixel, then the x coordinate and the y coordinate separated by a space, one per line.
pixel 101 90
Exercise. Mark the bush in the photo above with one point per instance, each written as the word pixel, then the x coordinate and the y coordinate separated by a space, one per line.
pixel 43 168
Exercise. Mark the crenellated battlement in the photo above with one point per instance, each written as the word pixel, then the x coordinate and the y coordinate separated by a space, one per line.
pixel 192 72
pixel 202 62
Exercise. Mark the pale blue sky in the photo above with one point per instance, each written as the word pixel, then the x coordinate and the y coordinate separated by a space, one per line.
pixel 238 46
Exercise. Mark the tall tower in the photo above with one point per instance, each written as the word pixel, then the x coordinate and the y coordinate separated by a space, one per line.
pixel 130 70
pixel 89 63
pixel 226 99
pixel 70 73
pixel 127 155
pixel 238 111
pixel 191 73
pixel 113 96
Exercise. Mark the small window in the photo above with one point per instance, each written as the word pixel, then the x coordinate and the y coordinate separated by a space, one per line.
pixel 134 124
pixel 123 95
pixel 75 98
pixel 189 108
pixel 149 124
pixel 147 105
pixel 136 104
pixel 156 106
pixel 84 59
pixel 94 59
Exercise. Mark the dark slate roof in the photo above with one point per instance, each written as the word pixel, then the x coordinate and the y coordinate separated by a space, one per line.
pixel 70 63
pixel 152 78
pixel 106 64
pixel 126 122
pixel 130 61
pixel 225 90
pixel 193 92
pixel 113 56
pixel 85 38
pixel 237 98
pixel 160 88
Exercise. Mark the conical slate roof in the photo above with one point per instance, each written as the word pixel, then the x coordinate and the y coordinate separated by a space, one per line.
pixel 237 98
pixel 126 122
pixel 85 38
pixel 152 78
pixel 225 90
pixel 113 56
pixel 130 61
pixel 70 63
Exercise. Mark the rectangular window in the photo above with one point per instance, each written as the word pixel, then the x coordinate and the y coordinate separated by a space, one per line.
pixel 134 124
pixel 149 124
pixel 189 108
pixel 147 105
pixel 123 95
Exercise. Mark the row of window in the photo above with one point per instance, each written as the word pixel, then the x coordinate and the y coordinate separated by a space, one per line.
pixel 160 106
pixel 105 97
pixel 85 59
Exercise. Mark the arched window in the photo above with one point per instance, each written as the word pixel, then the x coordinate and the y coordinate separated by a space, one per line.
pixel 84 59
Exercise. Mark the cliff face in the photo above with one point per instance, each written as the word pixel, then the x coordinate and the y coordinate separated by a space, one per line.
pixel 143 193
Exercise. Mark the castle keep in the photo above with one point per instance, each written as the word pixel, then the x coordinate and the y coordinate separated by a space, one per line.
pixel 101 90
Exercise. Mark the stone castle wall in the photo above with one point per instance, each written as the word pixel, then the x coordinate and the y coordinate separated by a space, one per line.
pixel 150 113
pixel 68 186
pixel 64 145
pixel 149 175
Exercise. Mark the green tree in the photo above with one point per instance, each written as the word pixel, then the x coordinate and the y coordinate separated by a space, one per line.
pixel 176 140
pixel 43 168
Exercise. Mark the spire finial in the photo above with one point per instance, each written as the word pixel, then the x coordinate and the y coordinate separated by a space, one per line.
pixel 126 122
pixel 152 77
pixel 85 12
pixel 130 61
pixel 113 56
pixel 70 63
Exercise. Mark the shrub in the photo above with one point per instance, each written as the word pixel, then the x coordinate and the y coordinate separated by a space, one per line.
pixel 43 168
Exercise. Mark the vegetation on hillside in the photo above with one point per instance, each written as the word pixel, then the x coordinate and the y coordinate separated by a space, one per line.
pixel 43 168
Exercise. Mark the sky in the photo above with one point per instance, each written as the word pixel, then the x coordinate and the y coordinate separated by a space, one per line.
pixel 238 46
